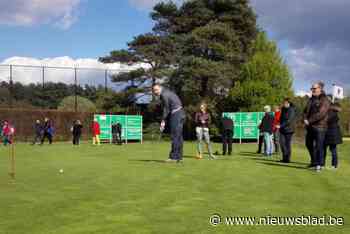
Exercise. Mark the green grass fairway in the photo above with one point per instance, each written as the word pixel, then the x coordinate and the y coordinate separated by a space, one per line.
pixel 128 189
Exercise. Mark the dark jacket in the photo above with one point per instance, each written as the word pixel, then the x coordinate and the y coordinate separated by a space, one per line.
pixel 116 128
pixel 202 119
pixel 77 129
pixel 288 120
pixel 170 102
pixel 316 111
pixel 47 126
pixel 267 123
pixel 38 128
pixel 333 134
pixel 227 124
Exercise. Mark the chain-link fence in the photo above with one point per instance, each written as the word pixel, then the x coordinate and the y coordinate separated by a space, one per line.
pixel 44 87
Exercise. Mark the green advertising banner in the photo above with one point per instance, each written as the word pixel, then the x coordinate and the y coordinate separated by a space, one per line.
pixel 245 124
pixel 131 126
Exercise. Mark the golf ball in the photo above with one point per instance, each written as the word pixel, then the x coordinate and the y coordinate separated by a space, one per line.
pixel 61 170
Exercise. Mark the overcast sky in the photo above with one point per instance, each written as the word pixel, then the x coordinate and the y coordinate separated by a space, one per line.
pixel 313 35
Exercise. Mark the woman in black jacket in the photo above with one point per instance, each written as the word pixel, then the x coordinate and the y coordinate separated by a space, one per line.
pixel 333 134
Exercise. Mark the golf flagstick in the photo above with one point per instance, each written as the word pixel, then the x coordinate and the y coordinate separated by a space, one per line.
pixel 12 172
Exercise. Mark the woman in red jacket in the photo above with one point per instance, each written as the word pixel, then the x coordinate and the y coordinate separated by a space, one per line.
pixel 96 133
pixel 276 129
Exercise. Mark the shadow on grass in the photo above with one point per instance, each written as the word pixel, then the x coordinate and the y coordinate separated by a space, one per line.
pixel 189 156
pixel 277 164
pixel 249 154
pixel 264 159
pixel 148 160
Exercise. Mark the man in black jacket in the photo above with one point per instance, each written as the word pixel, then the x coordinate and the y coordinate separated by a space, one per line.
pixel 172 109
pixel 117 133
pixel 287 128
pixel 227 135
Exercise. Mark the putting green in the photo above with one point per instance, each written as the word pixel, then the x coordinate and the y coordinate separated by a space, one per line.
pixel 128 189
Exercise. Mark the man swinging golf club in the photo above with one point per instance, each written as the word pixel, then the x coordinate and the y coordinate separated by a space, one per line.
pixel 172 109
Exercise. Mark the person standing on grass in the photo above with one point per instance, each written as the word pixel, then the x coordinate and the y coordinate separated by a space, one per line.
pixel 76 131
pixel 116 133
pixel 227 135
pixel 172 110
pixel 119 129
pixel 260 140
pixel 47 131
pixel 333 135
pixel 202 121
pixel 96 133
pixel 267 129
pixel 38 132
pixel 287 128
pixel 7 133
pixel 315 120
pixel 276 128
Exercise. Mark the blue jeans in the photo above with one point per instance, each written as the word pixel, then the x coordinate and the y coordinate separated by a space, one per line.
pixel 268 140
pixel 177 121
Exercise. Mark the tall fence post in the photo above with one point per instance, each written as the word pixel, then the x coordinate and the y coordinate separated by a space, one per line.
pixel 106 74
pixel 43 77
pixel 11 88
pixel 75 90
pixel 43 84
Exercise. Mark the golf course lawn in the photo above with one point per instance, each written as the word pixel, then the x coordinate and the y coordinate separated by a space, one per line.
pixel 128 189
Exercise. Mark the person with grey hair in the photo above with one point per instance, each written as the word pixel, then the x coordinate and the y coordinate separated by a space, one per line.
pixel 315 120
pixel 173 112
pixel 267 129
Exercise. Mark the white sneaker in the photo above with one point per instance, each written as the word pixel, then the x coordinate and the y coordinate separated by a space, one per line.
pixel 318 168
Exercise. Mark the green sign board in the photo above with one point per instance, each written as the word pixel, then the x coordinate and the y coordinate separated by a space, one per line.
pixel 131 126
pixel 245 124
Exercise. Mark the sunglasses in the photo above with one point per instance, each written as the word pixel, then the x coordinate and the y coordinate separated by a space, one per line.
pixel 313 88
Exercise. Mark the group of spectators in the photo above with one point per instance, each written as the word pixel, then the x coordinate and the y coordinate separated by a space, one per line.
pixel 277 128
pixel 116 128
pixel 42 131
pixel 320 119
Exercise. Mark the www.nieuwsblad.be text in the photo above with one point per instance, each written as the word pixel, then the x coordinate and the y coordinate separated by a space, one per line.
pixel 304 220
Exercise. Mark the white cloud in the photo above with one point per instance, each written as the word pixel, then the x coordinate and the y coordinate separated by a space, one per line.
pixel 302 93
pixel 328 64
pixel 148 4
pixel 64 72
pixel 61 13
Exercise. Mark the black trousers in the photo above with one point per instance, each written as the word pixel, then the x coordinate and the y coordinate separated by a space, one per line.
pixel 315 144
pixel 117 138
pixel 177 121
pixel 227 141
pixel 286 145
pixel 261 142
pixel 76 139
pixel 48 136
pixel 333 149
pixel 37 138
